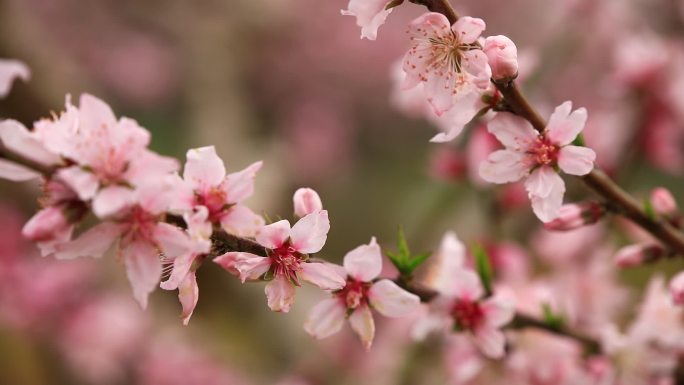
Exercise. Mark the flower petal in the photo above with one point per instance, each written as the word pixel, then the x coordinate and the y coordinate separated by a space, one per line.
pixel 545 189
pixel 9 70
pixel 143 268
pixel 306 201
pixel 322 275
pixel 112 200
pixel 576 160
pixel 274 235
pixel 247 266
pixel 514 132
pixel 240 185
pixel 361 321
pixel 188 295
pixel 563 126
pixel 181 268
pixel 172 240
pixel 326 318
pixel 242 221
pixel 468 28
pixel 84 183
pixel 92 243
pixel 504 166
pixel 364 263
pixel 498 311
pixel 15 172
pixel 280 294
pixel 17 138
pixel 390 300
pixel 490 341
pixel 370 15
pixel 203 168
pixel 309 234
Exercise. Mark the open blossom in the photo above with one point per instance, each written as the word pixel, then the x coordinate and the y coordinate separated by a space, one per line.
pixel 110 157
pixel 142 236
pixel 287 263
pixel 9 70
pixel 537 156
pixel 370 15
pixel 447 60
pixel 360 294
pixel 205 184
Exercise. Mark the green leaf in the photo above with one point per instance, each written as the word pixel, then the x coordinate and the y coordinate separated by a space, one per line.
pixel 418 260
pixel 649 210
pixel 579 140
pixel 402 259
pixel 402 245
pixel 484 268
pixel 554 320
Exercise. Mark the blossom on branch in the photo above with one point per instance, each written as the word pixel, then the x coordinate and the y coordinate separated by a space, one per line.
pixel 370 15
pixel 538 157
pixel 361 293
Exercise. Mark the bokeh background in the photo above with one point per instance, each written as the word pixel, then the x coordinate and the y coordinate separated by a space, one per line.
pixel 290 82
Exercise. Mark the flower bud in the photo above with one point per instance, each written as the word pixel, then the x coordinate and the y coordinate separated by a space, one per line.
pixel 663 202
pixel 635 255
pixel 503 57
pixel 573 216
pixel 677 288
pixel 306 201
pixel 45 224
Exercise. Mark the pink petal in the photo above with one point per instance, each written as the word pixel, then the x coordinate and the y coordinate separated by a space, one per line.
pixel 447 261
pixel 306 201
pixel 274 235
pixel 514 132
pixel 465 284
pixel 94 113
pixel 241 221
pixel 309 234
pixel 498 311
pixel 188 295
pixel 112 200
pixel 248 266
pixel 203 168
pixel 475 63
pixel 322 275
pixel 504 166
pixel 143 268
pixel 280 294
pixel 16 173
pixel 361 321
pixel 150 167
pixel 468 28
pixel 92 243
pixel 326 318
pixel 563 126
pixel 240 185
pixel 439 90
pixel 364 263
pixel 490 341
pixel 392 301
pixel 16 138
pixel 576 160
pixel 466 105
pixel 10 70
pixel 545 189
pixel 84 183
pixel 370 15
pixel 181 268
pixel 172 240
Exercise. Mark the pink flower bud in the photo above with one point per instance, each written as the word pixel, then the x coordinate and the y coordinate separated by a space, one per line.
pixel 306 201
pixel 677 288
pixel 45 224
pixel 573 216
pixel 503 57
pixel 635 255
pixel 663 202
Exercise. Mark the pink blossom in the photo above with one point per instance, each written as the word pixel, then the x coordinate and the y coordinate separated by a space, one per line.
pixel 370 15
pixel 664 203
pixel 142 235
pixel 10 70
pixel 19 140
pixel 638 254
pixel 535 157
pixel 677 288
pixel 573 216
pixel 306 201
pixel 287 262
pixel 503 57
pixel 205 184
pixel 447 60
pixel 361 293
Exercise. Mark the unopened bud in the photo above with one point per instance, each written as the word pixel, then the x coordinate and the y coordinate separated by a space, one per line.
pixel 306 201
pixel 639 254
pixel 503 57
pixel 677 288
pixel 664 203
pixel 46 224
pixel 576 215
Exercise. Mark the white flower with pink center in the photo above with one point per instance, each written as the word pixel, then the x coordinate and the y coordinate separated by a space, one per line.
pixel 288 262
pixel 205 184
pixel 448 60
pixel 370 15
pixel 144 239
pixel 361 293
pixel 482 318
pixel 537 157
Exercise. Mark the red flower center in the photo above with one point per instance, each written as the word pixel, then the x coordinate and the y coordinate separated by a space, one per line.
pixel 214 200
pixel 544 152
pixel 354 293
pixel 286 261
pixel 467 314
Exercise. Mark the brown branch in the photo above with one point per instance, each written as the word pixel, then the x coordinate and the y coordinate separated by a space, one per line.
pixel 522 321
